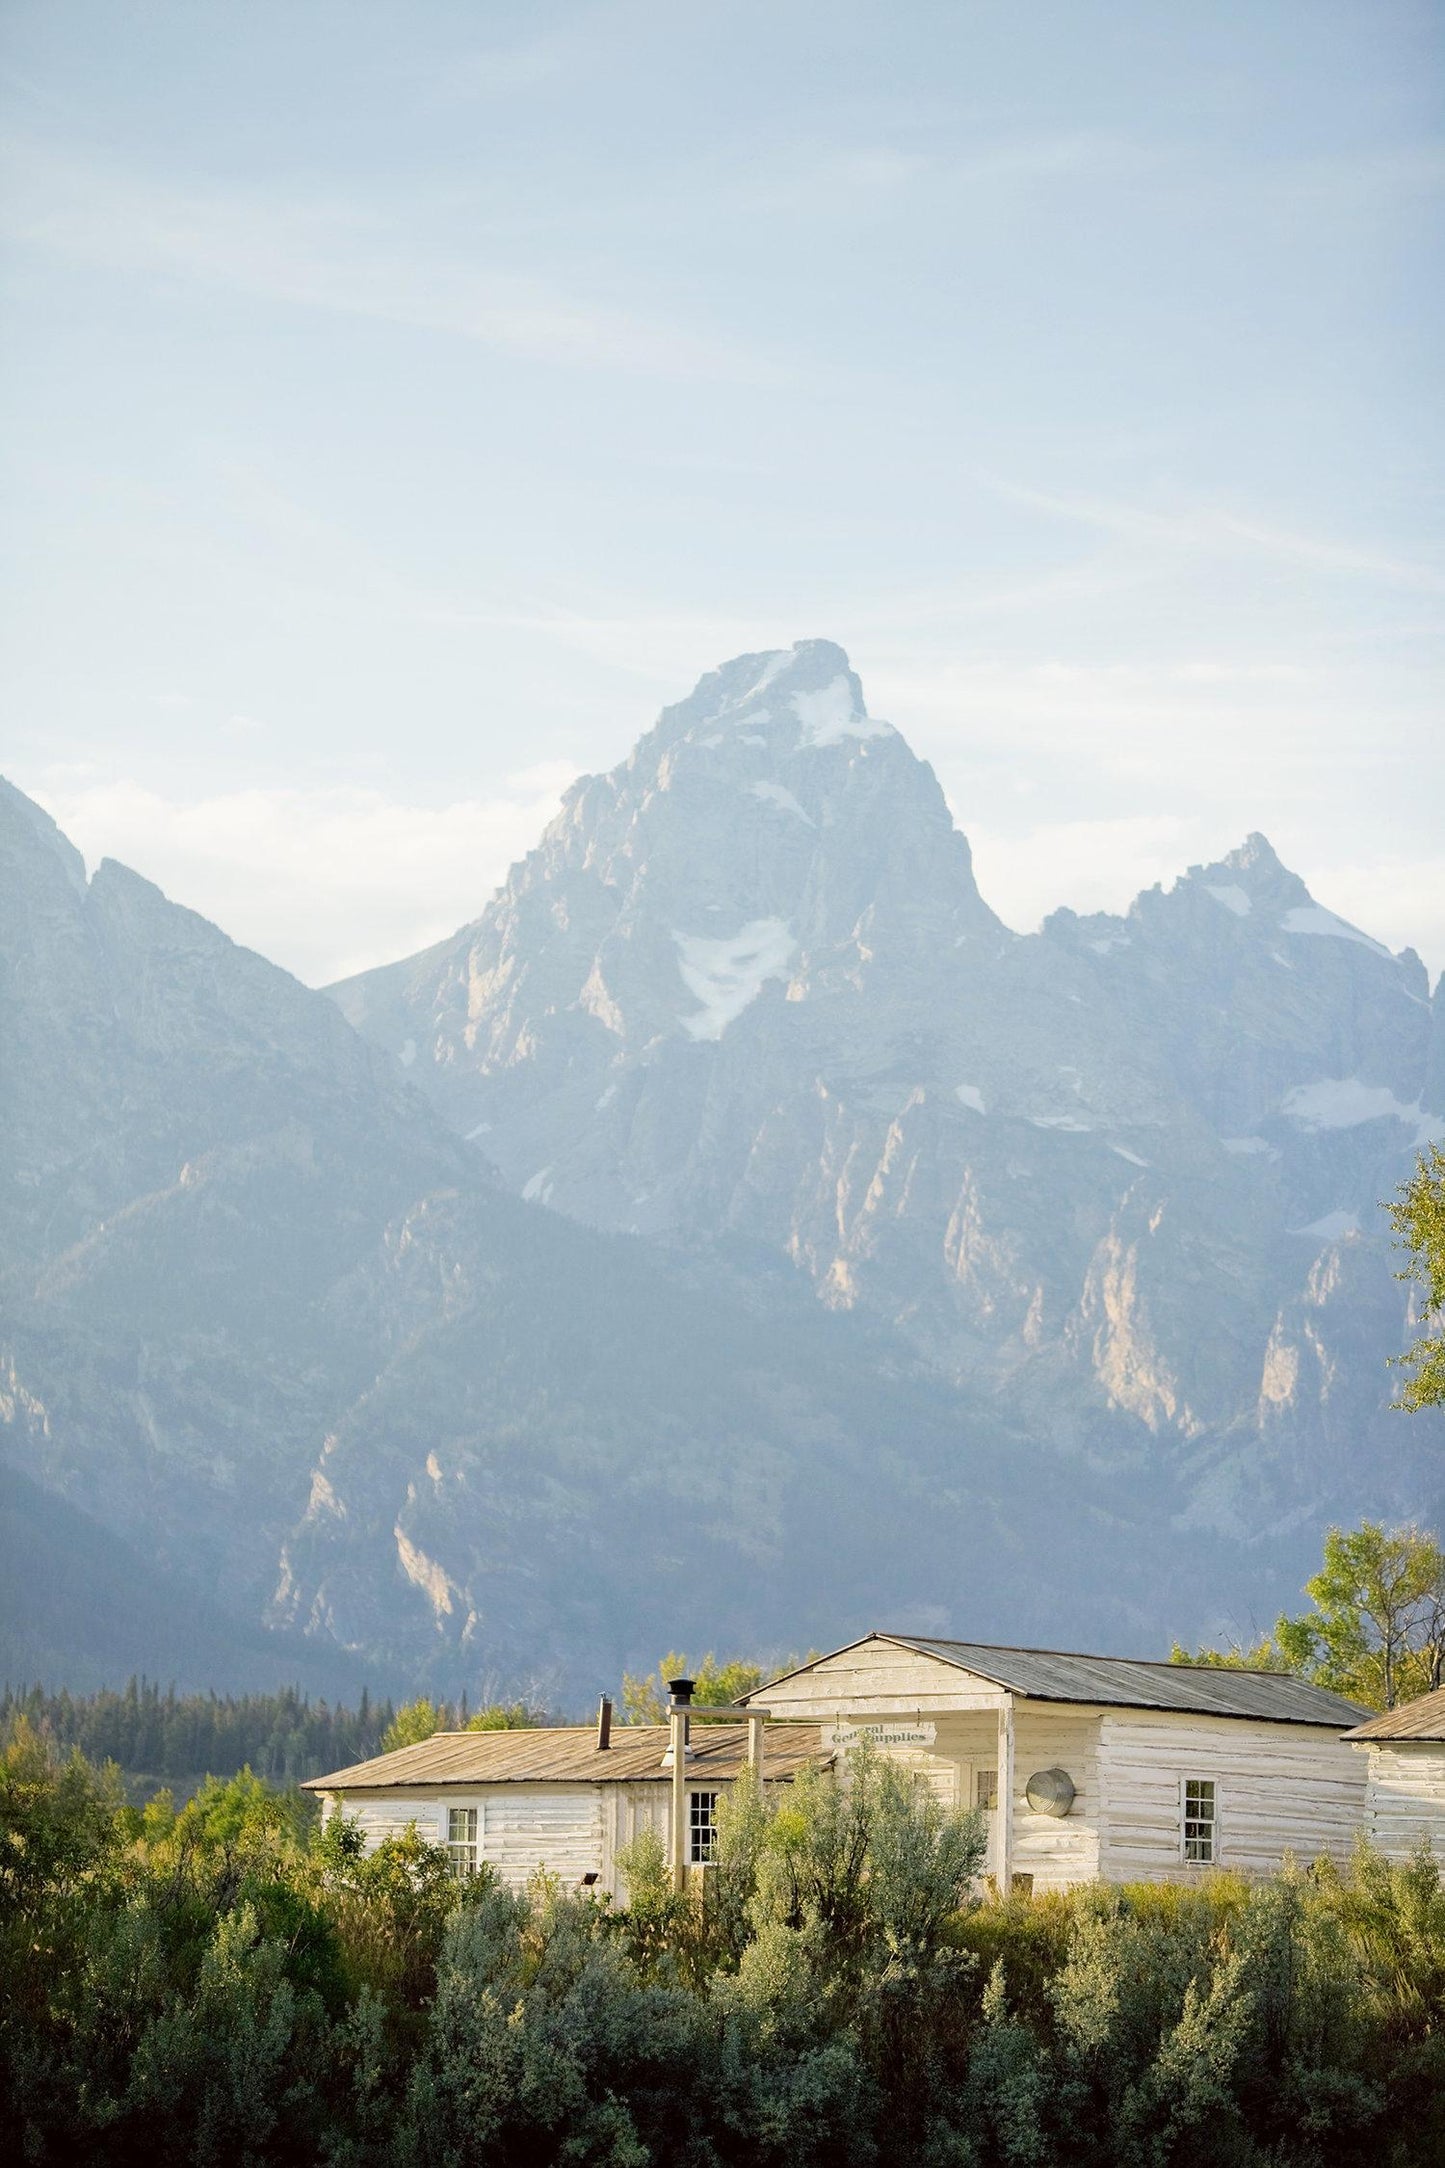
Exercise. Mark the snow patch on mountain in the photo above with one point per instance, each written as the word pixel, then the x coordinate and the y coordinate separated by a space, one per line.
pixel 728 974
pixel 1344 1102
pixel 1232 896
pixel 970 1096
pixel 830 715
pixel 773 667
pixel 779 795
pixel 1313 918
pixel 1330 1226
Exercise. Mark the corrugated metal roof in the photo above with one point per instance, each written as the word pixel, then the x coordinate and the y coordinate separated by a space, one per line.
pixel 1421 1719
pixel 1121 1682
pixel 567 1754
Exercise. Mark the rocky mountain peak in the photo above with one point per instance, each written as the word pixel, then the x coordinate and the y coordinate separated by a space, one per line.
pixel 1255 851
pixel 767 843
pixel 1250 882
pixel 29 839
pixel 805 698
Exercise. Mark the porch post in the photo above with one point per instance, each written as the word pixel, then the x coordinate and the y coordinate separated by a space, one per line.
pixel 677 1722
pixel 1003 1865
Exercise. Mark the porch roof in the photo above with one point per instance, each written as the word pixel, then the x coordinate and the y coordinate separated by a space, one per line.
pixel 569 1754
pixel 1423 1718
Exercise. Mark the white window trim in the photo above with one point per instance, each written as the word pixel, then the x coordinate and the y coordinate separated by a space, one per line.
pixel 1197 1776
pixel 475 1806
pixel 703 1791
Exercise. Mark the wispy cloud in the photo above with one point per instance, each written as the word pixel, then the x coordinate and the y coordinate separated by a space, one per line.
pixel 1214 531
pixel 333 256
pixel 810 176
pixel 325 882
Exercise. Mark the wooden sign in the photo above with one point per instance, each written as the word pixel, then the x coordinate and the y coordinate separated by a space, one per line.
pixel 886 1737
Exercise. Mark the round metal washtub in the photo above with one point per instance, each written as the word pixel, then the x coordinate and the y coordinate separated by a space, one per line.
pixel 1050 1791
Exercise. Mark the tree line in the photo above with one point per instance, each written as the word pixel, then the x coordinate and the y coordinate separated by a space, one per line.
pixel 174 1738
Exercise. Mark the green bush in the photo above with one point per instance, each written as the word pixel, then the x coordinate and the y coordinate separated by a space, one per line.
pixel 231 1983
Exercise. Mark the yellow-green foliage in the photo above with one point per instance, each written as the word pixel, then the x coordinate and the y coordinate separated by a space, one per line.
pixel 419 1720
pixel 1376 1629
pixel 1418 1212
pixel 413 1722
pixel 645 1696
pixel 502 1716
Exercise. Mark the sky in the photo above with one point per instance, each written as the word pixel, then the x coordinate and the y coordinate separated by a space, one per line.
pixel 400 403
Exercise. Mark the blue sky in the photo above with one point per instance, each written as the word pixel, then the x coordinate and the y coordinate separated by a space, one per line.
pixel 401 402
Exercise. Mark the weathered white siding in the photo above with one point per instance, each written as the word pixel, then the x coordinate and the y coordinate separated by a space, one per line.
pixel 526 1828
pixel 383 1814
pixel 627 1810
pixel 878 1680
pixel 567 1830
pixel 520 1827
pixel 1057 1850
pixel 899 1690
pixel 891 1686
pixel 1279 1788
pixel 1405 1796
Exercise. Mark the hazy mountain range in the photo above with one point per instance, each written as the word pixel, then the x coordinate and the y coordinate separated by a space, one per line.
pixel 736 1236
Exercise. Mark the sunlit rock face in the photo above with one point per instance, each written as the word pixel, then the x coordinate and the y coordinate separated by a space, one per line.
pixel 746 991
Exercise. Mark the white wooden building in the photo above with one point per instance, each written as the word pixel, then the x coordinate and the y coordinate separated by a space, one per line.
pixel 1097 1766
pixel 1404 1751
pixel 559 1798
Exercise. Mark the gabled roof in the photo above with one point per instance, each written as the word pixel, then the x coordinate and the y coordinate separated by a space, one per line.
pixel 568 1754
pixel 1124 1682
pixel 1420 1719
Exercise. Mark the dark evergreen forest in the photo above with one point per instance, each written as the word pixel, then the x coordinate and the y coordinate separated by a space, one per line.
pixel 162 1738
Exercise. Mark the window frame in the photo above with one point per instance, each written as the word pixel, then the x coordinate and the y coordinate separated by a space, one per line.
pixel 464 1852
pixel 985 1776
pixel 700 1829
pixel 1205 1827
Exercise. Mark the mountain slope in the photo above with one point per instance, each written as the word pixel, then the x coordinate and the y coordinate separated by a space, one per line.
pixel 1123 1174
pixel 272 1328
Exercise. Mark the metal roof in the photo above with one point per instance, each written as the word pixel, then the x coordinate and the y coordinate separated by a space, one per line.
pixel 568 1754
pixel 1421 1719
pixel 1122 1682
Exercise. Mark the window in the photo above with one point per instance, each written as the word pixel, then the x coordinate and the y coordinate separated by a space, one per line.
pixel 1200 1821
pixel 985 1788
pixel 462 1841
pixel 701 1827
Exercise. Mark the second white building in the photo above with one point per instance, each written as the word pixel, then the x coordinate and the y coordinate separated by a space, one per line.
pixel 1098 1766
